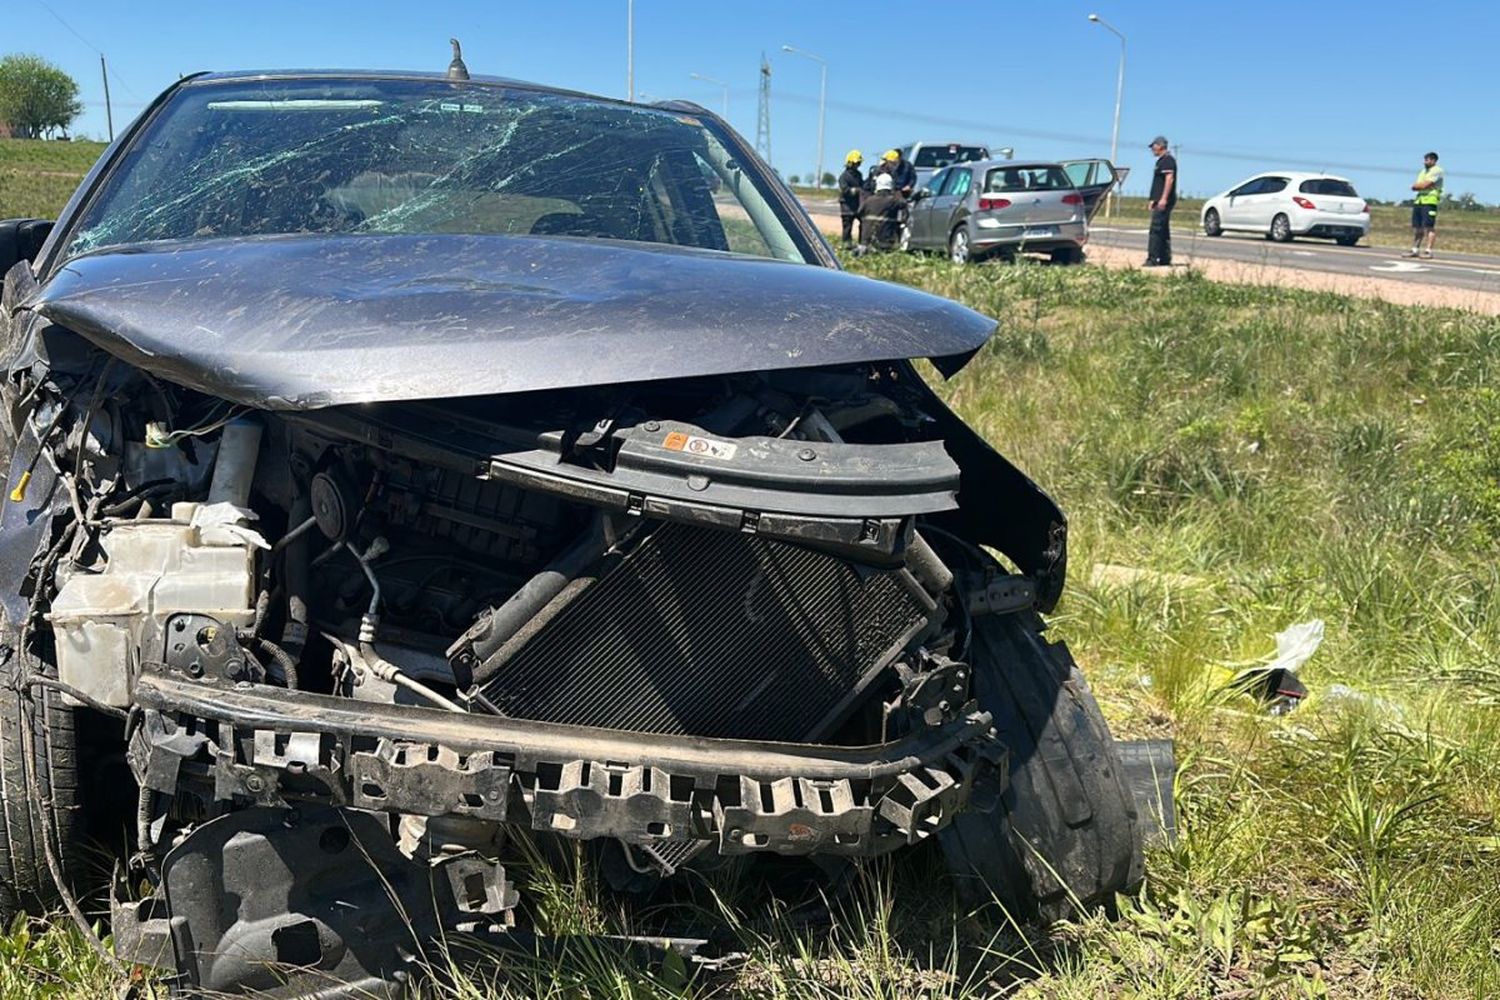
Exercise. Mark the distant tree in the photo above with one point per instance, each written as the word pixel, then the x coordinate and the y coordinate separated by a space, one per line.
pixel 37 100
pixel 1466 202
pixel 828 179
pixel 794 179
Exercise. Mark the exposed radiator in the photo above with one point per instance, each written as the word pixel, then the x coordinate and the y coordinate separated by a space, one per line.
pixel 713 633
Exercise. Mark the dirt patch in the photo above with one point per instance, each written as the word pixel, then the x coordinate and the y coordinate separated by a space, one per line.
pixel 1243 273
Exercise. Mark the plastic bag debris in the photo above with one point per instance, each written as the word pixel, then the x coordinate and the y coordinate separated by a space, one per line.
pixel 222 521
pixel 1275 683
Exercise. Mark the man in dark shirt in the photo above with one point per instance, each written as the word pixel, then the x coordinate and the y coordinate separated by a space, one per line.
pixel 1163 200
pixel 851 193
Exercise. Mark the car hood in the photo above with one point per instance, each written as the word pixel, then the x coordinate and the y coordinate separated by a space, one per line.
pixel 309 321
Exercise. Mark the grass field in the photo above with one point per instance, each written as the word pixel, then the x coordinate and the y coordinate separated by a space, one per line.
pixel 37 177
pixel 1265 457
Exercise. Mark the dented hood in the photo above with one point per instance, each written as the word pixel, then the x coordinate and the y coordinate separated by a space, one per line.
pixel 303 322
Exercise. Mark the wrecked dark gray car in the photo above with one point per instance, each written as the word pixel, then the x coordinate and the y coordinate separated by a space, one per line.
pixel 402 468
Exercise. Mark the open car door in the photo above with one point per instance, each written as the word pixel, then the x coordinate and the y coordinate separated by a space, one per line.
pixel 1093 179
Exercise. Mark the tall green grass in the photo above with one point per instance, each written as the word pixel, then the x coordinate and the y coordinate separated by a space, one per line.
pixel 1265 457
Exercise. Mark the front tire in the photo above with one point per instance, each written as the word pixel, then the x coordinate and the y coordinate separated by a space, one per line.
pixel 1065 834
pixel 958 246
pixel 1211 224
pixel 1281 229
pixel 1347 241
pixel 26 883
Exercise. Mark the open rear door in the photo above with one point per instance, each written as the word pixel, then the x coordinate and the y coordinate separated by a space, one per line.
pixel 1093 179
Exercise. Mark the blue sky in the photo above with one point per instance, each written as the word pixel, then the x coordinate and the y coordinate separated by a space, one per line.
pixel 1359 88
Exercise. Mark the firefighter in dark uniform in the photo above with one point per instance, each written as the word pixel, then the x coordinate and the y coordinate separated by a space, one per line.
pixel 851 195
pixel 880 219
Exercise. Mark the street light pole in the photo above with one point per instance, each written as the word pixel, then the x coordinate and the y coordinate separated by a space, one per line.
pixel 717 83
pixel 822 103
pixel 629 49
pixel 1114 142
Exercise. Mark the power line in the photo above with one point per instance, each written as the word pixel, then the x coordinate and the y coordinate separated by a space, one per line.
pixel 1192 149
pixel 97 51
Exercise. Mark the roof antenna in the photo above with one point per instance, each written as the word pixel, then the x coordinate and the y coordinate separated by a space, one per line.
pixel 456 69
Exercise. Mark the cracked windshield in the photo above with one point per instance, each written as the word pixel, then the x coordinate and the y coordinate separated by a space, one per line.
pixel 418 157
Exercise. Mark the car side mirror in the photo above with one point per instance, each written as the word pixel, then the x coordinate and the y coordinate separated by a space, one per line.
pixel 921 193
pixel 21 239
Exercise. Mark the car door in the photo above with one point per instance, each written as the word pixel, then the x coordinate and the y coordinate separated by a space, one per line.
pixel 956 198
pixel 1268 199
pixel 1238 204
pixel 945 204
pixel 921 210
pixel 1093 179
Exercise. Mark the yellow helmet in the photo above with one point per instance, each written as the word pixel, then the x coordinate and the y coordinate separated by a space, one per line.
pixel 892 155
pixel 855 156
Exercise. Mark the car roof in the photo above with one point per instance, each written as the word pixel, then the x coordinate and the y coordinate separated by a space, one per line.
pixel 1011 164
pixel 421 76
pixel 1299 175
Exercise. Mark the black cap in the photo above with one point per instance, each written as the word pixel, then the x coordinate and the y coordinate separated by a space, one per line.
pixel 1160 140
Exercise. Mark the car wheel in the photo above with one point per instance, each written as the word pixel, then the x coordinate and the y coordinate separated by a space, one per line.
pixel 1211 224
pixel 1067 255
pixel 958 246
pixel 1347 241
pixel 51 762
pixel 1281 229
pixel 1065 832
pixel 905 237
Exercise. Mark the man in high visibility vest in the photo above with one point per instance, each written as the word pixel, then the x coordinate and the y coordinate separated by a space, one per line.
pixel 1424 209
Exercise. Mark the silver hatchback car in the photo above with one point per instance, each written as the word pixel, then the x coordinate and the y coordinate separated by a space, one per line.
pixel 972 210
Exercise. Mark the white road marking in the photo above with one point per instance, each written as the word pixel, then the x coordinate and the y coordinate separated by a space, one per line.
pixel 1303 253
pixel 1400 266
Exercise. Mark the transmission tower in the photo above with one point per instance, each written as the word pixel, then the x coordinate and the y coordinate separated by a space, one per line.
pixel 763 120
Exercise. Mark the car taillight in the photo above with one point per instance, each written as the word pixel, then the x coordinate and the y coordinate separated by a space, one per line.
pixel 993 204
pixel 1072 199
pixel 1303 203
pixel 1364 208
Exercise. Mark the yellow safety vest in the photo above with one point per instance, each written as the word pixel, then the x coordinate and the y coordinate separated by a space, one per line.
pixel 1432 195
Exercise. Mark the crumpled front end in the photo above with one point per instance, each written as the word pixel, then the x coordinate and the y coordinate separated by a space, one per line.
pixel 366 655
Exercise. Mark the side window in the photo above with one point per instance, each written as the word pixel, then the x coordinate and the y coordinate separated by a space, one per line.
pixel 1080 172
pixel 1249 187
pixel 936 181
pixel 959 185
pixel 1271 185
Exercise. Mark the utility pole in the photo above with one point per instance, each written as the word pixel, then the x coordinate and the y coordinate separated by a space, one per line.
pixel 629 50
pixel 763 118
pixel 109 114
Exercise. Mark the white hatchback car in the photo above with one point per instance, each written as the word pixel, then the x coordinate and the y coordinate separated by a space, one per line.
pixel 1285 204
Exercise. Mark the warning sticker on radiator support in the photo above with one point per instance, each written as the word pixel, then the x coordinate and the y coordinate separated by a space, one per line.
pixel 694 445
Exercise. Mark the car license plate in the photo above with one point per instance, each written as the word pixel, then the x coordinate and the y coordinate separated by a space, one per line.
pixel 1039 232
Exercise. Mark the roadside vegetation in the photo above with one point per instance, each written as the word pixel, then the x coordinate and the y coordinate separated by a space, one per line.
pixel 38 176
pixel 1255 457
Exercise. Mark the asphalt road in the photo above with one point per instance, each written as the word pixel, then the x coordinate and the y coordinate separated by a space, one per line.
pixel 1471 272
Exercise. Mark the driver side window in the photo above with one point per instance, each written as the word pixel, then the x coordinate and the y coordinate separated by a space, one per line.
pixel 935 184
pixel 1250 187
